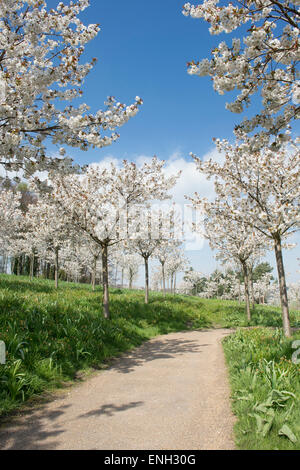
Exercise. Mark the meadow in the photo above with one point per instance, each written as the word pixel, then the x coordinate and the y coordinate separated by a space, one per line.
pixel 57 336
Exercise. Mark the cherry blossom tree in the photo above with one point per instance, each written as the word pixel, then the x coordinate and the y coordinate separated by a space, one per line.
pixel 176 264
pixel 194 278
pixel 232 239
pixel 10 215
pixel 11 218
pixel 168 248
pixel 156 231
pixel 294 293
pixel 262 190
pixel 129 263
pixel 262 288
pixel 264 60
pixel 40 66
pixel 100 203
pixel 46 232
pixel 212 286
pixel 145 247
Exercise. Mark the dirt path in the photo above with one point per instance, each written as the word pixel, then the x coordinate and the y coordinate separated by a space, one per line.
pixel 170 393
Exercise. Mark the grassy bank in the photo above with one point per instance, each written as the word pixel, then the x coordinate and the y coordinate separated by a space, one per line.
pixel 229 313
pixel 50 335
pixel 265 385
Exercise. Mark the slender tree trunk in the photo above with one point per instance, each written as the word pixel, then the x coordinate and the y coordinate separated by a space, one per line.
pixel 146 260
pixel 105 301
pixel 13 265
pixel 56 267
pixel 163 277
pixel 122 278
pixel 175 283
pixel 116 275
pixel 252 294
pixel 130 278
pixel 94 273
pixel 31 266
pixel 247 297
pixel 48 271
pixel 282 287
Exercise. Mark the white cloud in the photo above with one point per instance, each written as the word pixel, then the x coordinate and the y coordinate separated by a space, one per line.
pixel 190 180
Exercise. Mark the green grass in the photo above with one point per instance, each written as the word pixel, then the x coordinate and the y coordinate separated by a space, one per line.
pixel 265 386
pixel 51 335
pixel 229 313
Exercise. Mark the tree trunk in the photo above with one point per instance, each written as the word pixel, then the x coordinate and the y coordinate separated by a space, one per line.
pixel 13 265
pixel 252 294
pixel 116 276
pixel 31 268
pixel 122 278
pixel 130 278
pixel 146 280
pixel 105 301
pixel 19 266
pixel 56 268
pixel 48 271
pixel 94 273
pixel 247 297
pixel 282 288
pixel 163 277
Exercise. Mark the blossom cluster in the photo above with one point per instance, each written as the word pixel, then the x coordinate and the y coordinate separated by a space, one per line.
pixel 41 73
pixel 264 60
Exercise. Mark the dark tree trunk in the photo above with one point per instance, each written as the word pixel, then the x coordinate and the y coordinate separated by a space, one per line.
pixel 56 267
pixel 105 301
pixel 146 260
pixel 247 297
pixel 163 277
pixel 282 287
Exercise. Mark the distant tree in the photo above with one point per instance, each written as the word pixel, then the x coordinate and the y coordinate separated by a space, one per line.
pixel 260 270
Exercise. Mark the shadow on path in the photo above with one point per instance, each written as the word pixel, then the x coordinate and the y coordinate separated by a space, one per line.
pixel 111 409
pixel 152 350
pixel 30 434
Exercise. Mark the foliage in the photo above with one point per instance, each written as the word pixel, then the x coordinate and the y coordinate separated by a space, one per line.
pixel 265 389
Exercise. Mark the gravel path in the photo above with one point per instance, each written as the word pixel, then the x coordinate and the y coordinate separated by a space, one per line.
pixel 170 393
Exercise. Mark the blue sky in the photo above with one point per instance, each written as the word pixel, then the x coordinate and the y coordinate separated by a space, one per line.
pixel 142 49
